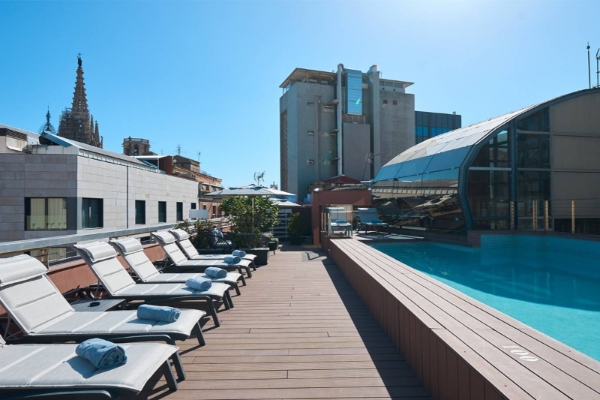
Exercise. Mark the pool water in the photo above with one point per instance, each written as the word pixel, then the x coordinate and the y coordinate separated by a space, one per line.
pixel 550 289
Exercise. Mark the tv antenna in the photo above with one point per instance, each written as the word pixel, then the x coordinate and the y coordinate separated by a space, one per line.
pixel 178 150
pixel 258 176
pixel 589 71
pixel 598 68
pixel 199 153
pixel 368 160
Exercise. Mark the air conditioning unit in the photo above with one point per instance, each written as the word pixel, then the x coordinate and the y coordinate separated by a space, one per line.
pixel 310 162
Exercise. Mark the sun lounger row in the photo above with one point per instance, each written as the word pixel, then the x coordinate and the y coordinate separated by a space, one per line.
pixel 43 315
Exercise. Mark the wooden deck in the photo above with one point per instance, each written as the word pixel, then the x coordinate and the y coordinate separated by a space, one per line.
pixel 298 331
pixel 459 347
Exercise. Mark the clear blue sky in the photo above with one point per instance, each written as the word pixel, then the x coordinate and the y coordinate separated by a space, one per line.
pixel 205 75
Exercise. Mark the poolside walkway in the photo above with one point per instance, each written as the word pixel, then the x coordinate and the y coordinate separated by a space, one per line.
pixel 298 331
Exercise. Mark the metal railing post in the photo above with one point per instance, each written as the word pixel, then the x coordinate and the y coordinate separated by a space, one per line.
pixel 534 212
pixel 546 219
pixel 512 215
pixel 572 216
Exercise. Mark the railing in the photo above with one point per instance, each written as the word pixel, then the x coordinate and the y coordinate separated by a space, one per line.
pixel 57 249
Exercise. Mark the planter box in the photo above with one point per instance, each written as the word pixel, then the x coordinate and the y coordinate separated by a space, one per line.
pixel 262 255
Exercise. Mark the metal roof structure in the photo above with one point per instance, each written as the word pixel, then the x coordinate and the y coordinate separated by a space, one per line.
pixel 449 150
pixel 61 141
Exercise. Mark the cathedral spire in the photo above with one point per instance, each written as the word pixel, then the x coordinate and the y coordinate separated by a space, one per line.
pixel 79 97
pixel 47 127
pixel 76 122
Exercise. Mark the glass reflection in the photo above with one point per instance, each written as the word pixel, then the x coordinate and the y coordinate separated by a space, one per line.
pixel 495 153
pixel 427 202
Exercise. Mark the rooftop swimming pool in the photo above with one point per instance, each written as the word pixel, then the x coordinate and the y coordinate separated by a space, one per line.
pixel 549 283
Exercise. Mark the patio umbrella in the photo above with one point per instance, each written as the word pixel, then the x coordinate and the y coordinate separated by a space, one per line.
pixel 251 191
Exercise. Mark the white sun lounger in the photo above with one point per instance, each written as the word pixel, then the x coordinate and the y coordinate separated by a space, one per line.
pixel 54 370
pixel 133 253
pixel 43 315
pixel 168 242
pixel 183 240
pixel 102 259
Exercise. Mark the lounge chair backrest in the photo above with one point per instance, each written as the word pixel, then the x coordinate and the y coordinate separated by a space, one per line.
pixel 183 239
pixel 102 259
pixel 368 214
pixel 28 295
pixel 167 242
pixel 337 214
pixel 132 251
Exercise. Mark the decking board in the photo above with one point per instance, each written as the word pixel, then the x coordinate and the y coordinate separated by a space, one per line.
pixel 298 331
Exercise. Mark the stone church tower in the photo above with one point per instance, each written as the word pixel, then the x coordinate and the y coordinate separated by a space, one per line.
pixel 76 123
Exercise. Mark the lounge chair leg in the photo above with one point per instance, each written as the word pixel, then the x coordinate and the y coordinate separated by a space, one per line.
pixel 243 280
pixel 237 289
pixel 178 367
pixel 198 330
pixel 229 299
pixel 253 266
pixel 168 373
pixel 213 313
pixel 248 272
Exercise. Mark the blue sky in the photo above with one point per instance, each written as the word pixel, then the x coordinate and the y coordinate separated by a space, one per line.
pixel 205 75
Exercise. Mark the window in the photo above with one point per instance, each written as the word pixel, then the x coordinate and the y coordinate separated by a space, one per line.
pixel 179 211
pixel 214 210
pixel 384 101
pixel 540 121
pixel 533 151
pixel 45 213
pixel 310 103
pixel 354 92
pixel 140 212
pixel 92 213
pixel 193 206
pixel 494 154
pixel 395 102
pixel 204 206
pixel 162 211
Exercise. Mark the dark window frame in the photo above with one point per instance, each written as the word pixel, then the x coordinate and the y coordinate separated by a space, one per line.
pixel 46 216
pixel 87 203
pixel 162 211
pixel 140 212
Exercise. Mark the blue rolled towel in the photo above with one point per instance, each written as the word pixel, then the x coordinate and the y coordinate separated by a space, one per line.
pixel 158 313
pixel 238 253
pixel 377 221
pixel 232 259
pixel 215 272
pixel 101 353
pixel 198 283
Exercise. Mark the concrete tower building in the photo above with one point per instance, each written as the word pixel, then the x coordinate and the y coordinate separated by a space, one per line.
pixel 76 123
pixel 345 122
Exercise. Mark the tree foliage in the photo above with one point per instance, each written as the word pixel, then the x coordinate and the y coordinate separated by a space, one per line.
pixel 250 218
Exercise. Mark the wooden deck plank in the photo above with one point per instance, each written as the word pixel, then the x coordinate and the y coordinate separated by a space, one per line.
pixel 298 331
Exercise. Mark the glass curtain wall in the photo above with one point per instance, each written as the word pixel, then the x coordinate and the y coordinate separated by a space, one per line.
pixel 488 184
pixel 354 92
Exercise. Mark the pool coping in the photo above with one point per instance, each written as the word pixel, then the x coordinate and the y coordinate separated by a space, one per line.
pixel 458 346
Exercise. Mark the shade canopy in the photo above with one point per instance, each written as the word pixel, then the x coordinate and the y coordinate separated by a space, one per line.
pixel 250 190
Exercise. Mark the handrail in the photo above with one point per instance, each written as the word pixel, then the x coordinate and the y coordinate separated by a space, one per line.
pixel 32 244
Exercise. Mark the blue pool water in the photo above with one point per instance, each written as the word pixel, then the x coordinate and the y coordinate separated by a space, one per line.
pixel 550 285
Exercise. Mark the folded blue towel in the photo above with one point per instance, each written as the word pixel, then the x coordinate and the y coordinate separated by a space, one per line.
pixel 377 221
pixel 215 272
pixel 198 283
pixel 238 253
pixel 232 259
pixel 101 353
pixel 158 313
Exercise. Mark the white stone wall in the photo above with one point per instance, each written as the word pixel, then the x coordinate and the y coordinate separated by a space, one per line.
pixel 76 177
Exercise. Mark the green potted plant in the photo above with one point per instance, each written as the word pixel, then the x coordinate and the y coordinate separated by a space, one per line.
pixel 298 227
pixel 251 217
